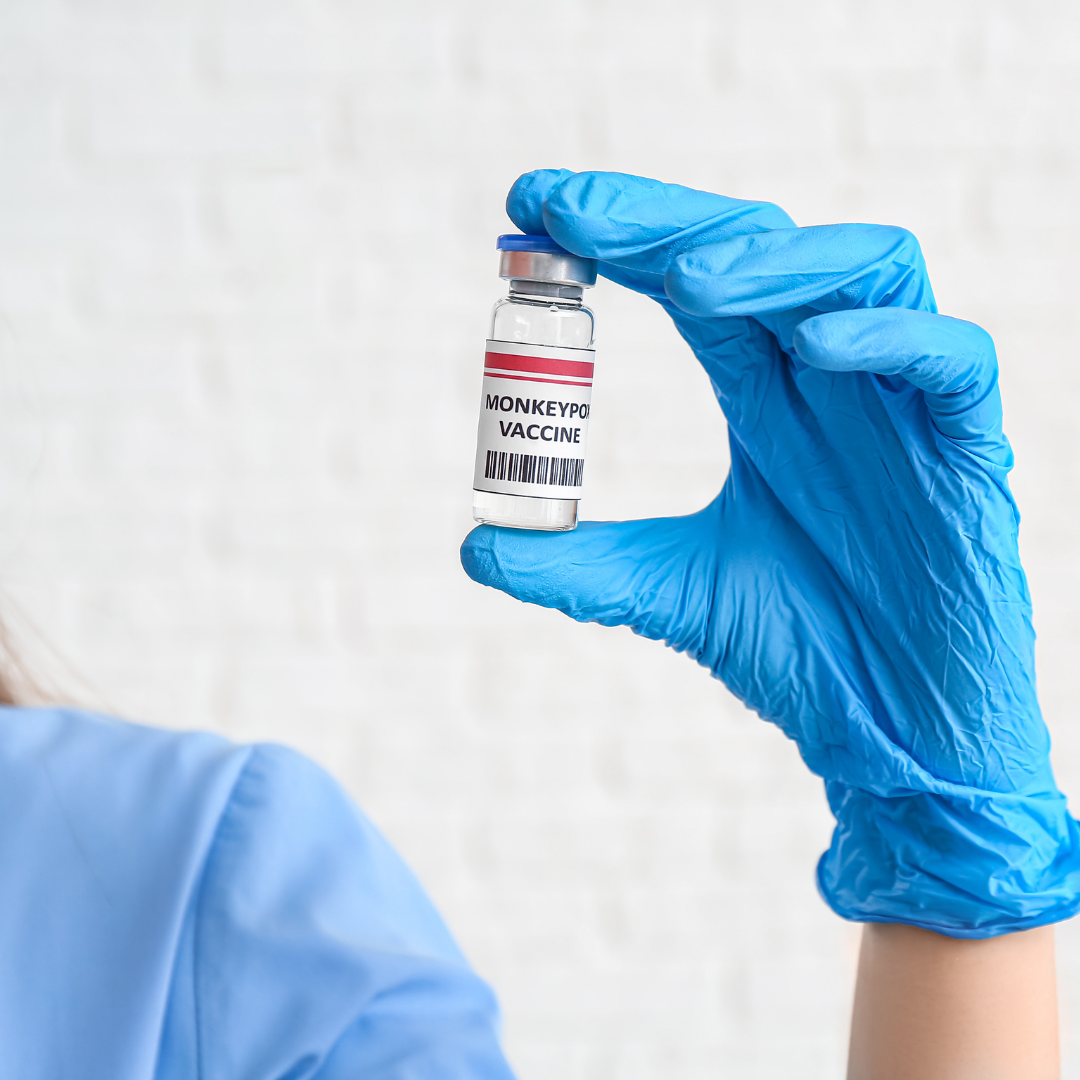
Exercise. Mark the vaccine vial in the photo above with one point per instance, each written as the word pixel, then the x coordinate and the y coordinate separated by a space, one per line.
pixel 537 392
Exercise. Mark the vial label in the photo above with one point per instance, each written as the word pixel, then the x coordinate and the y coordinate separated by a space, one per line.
pixel 534 420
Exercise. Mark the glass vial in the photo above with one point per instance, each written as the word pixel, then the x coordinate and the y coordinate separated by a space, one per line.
pixel 536 397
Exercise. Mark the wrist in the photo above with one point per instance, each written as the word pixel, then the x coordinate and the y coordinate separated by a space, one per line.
pixel 929 1007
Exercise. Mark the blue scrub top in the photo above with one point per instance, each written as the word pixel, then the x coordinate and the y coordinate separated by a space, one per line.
pixel 175 906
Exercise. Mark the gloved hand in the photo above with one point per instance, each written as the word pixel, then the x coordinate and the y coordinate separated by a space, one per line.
pixel 857 580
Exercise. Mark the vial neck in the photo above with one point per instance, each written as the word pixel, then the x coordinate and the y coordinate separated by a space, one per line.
pixel 545 291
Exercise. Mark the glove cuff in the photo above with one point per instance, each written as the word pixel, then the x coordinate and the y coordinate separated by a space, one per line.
pixel 971 865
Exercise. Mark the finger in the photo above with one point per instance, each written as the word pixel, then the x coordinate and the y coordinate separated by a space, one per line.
pixel 633 573
pixel 635 226
pixel 953 362
pixel 525 201
pixel 821 268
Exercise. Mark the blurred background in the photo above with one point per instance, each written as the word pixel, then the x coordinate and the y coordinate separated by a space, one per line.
pixel 246 264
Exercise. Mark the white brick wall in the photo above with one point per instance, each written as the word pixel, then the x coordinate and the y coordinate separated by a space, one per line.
pixel 246 251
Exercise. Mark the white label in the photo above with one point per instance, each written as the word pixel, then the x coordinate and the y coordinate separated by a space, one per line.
pixel 534 420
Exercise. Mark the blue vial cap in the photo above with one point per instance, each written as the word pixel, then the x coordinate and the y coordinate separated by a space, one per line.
pixel 538 258
pixel 529 242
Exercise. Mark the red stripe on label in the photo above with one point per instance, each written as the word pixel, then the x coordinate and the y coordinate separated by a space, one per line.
pixel 534 378
pixel 574 368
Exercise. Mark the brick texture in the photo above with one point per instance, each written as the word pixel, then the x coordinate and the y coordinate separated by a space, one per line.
pixel 246 269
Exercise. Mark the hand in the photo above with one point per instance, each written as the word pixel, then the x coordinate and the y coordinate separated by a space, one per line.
pixel 857 580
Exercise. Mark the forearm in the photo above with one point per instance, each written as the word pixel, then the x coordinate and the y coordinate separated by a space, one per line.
pixel 929 1007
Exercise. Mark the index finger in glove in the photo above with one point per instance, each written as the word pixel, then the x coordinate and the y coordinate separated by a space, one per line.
pixel 821 267
pixel 635 226
pixel 952 361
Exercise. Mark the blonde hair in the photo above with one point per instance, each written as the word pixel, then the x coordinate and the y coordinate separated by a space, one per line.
pixel 22 681
pixel 13 673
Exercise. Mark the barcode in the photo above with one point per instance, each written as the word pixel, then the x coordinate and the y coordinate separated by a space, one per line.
pixel 534 469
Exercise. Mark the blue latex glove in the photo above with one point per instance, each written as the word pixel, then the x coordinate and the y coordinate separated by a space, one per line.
pixel 173 906
pixel 857 580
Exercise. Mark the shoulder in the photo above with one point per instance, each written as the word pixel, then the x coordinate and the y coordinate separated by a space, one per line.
pixel 237 887
pixel 50 737
pixel 291 829
pixel 101 779
pixel 306 913
pixel 104 830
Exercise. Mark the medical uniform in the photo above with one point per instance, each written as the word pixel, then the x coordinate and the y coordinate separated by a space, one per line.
pixel 173 905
